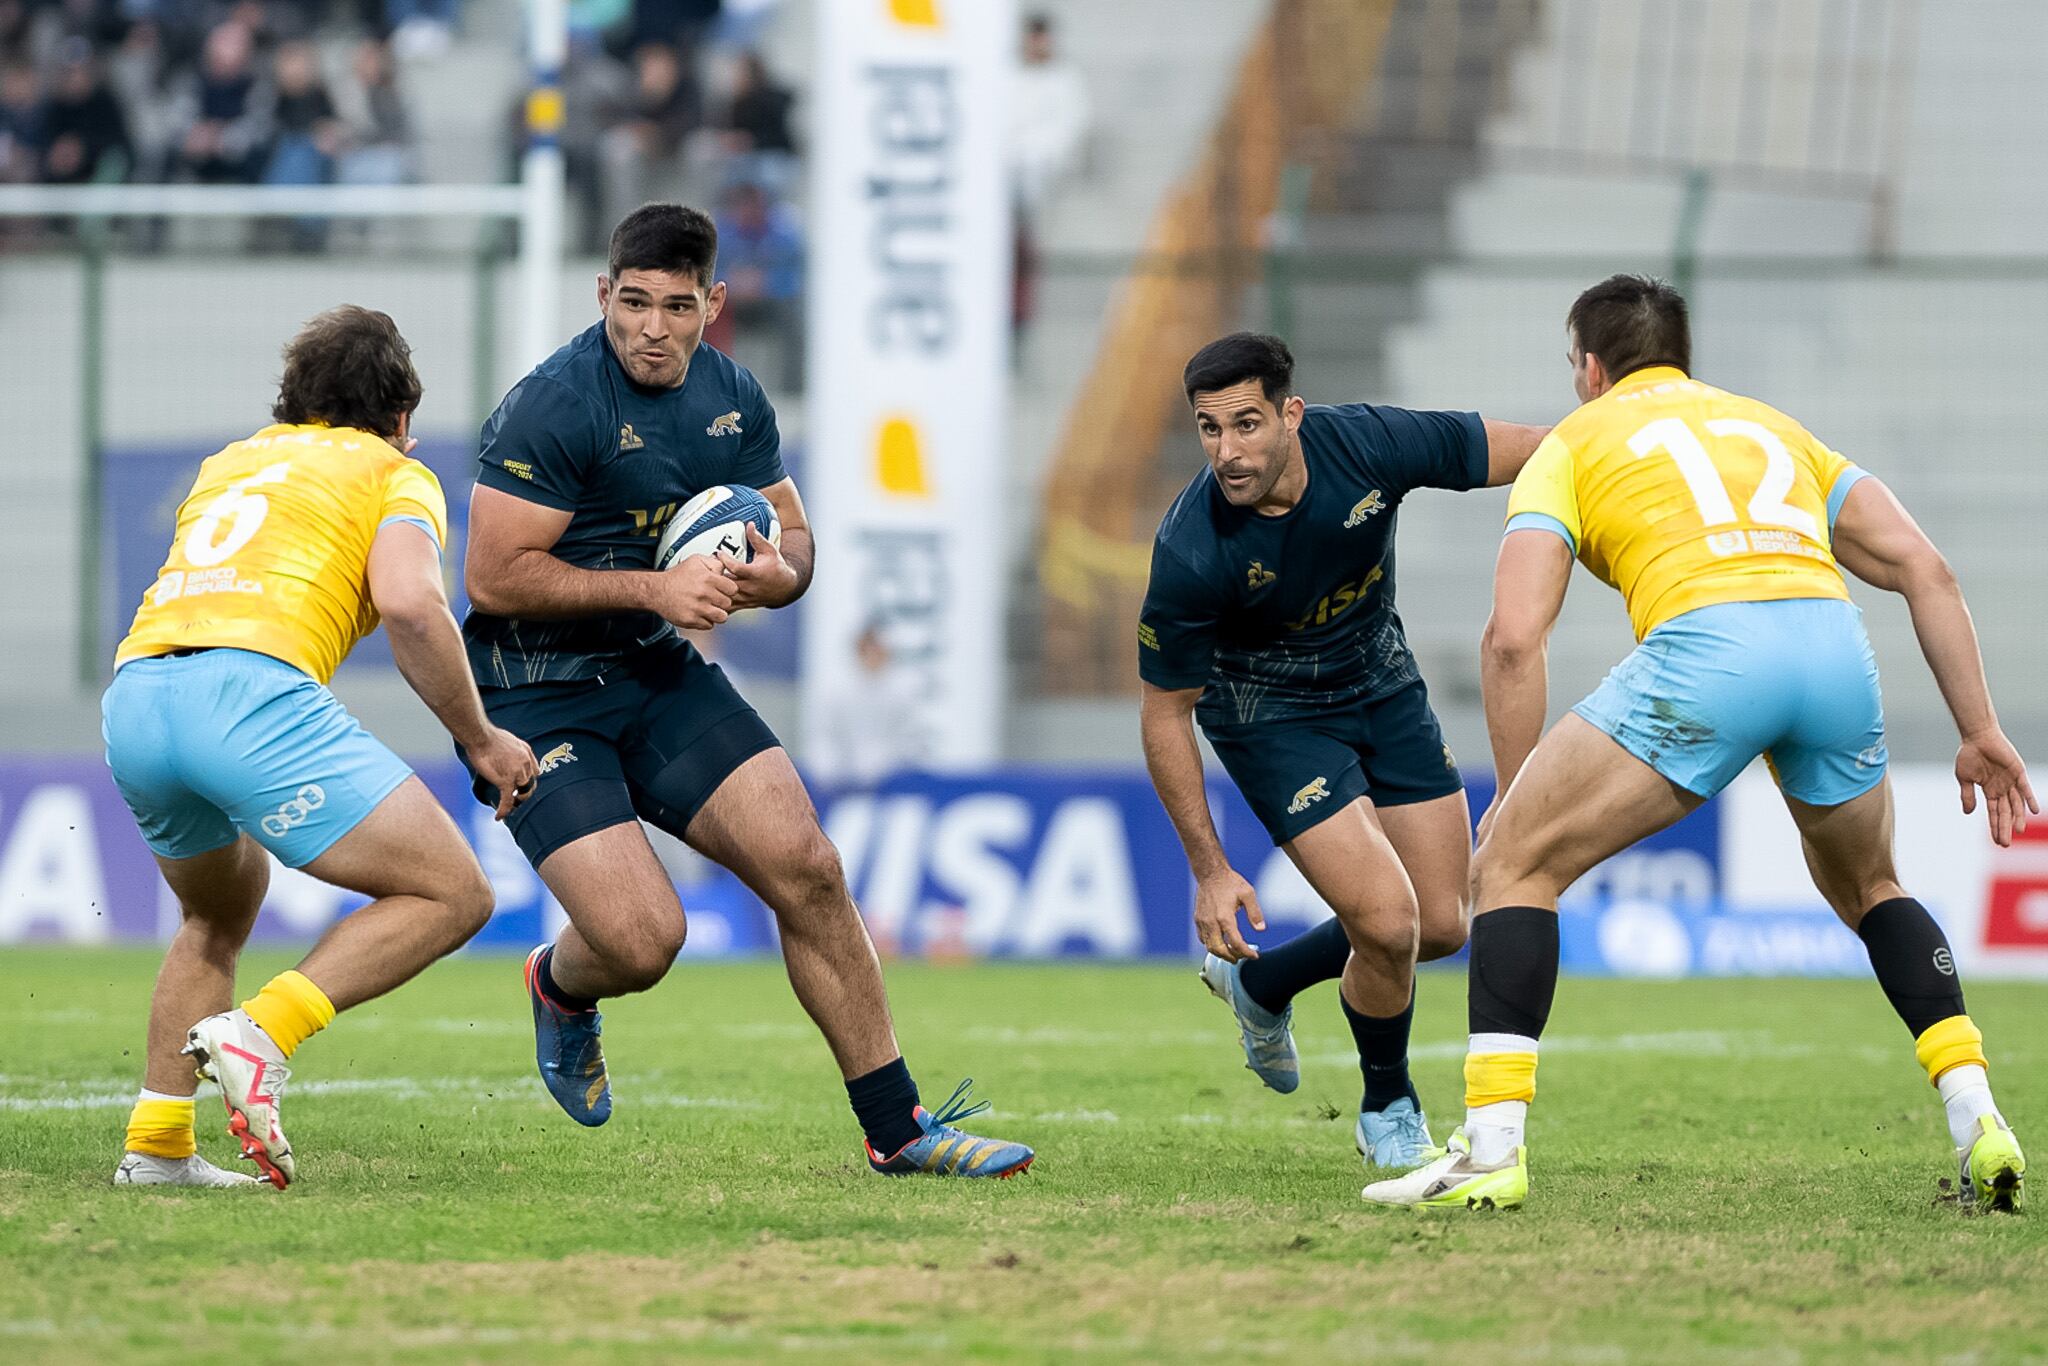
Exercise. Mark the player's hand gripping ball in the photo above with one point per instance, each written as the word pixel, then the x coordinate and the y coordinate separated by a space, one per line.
pixel 716 522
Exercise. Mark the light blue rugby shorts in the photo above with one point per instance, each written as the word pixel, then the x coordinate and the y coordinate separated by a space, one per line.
pixel 210 745
pixel 1711 689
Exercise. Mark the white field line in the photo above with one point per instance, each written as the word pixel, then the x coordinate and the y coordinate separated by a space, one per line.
pixel 112 1095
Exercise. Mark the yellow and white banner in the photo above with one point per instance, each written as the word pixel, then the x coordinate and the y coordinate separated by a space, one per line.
pixel 908 331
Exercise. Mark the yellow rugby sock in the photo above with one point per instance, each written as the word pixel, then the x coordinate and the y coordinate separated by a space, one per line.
pixel 1492 1077
pixel 290 1009
pixel 1949 1044
pixel 161 1126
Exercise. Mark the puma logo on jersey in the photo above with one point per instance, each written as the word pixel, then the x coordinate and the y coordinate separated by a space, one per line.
pixel 729 425
pixel 629 440
pixel 1258 576
pixel 564 753
pixel 1364 508
pixel 1315 791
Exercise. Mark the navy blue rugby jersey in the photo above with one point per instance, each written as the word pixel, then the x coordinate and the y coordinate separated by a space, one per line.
pixel 580 436
pixel 1280 616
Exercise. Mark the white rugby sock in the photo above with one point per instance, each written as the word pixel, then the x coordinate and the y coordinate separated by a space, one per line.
pixel 1966 1095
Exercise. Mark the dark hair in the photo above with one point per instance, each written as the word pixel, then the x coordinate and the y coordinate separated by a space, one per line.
pixel 1038 24
pixel 1632 322
pixel 666 237
pixel 348 367
pixel 1237 358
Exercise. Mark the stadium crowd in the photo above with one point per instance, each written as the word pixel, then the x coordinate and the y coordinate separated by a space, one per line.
pixel 313 92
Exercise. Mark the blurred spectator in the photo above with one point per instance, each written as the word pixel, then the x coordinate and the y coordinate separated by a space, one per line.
pixel 380 126
pixel 85 137
pixel 758 118
pixel 21 123
pixel 1049 117
pixel 306 140
pixel 223 134
pixel 871 728
pixel 1049 124
pixel 641 150
pixel 421 28
pixel 754 141
pixel 142 76
pixel 15 25
pixel 761 260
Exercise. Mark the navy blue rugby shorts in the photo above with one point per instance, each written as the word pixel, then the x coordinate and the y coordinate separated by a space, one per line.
pixel 650 741
pixel 1298 771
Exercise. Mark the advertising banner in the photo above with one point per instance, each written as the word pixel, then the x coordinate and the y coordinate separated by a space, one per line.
pixel 907 335
pixel 1040 863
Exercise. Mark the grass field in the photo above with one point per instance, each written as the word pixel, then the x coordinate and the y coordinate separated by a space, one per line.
pixel 1724 1171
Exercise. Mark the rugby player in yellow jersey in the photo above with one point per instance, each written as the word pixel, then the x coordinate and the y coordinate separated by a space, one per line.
pixel 225 742
pixel 1725 525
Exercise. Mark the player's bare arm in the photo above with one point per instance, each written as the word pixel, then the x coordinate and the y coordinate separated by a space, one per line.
pixel 1529 582
pixel 1508 447
pixel 1878 541
pixel 1166 720
pixel 405 585
pixel 776 576
pixel 511 572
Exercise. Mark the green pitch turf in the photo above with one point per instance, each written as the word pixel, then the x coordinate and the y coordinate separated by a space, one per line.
pixel 1724 1171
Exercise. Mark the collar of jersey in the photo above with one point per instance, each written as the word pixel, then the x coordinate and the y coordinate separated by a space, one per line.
pixel 1654 374
pixel 277 427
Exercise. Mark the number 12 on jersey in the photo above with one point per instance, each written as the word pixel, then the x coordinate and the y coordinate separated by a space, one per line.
pixel 1676 438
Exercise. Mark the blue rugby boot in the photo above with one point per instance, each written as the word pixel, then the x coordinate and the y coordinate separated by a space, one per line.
pixel 565 1043
pixel 1268 1040
pixel 1397 1136
pixel 946 1151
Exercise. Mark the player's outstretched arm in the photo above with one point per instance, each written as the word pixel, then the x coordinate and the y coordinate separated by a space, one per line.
pixel 1878 541
pixel 405 586
pixel 1166 718
pixel 1508 447
pixel 1529 582
pixel 510 571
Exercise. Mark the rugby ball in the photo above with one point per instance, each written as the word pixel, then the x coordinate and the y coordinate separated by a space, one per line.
pixel 715 521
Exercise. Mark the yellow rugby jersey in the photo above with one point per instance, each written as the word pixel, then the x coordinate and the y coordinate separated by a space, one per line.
pixel 1682 495
pixel 272 552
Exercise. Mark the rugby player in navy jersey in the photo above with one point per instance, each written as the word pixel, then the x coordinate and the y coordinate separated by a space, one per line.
pixel 1270 620
pixel 573 642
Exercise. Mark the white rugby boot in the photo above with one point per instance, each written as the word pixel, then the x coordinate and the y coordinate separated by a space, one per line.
pixel 141 1169
pixel 235 1054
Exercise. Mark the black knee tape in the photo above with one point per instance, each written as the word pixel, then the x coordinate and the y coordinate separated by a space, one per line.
pixel 1514 971
pixel 1913 963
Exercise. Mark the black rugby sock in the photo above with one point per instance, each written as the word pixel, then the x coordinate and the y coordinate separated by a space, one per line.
pixel 544 975
pixel 1913 963
pixel 883 1101
pixel 1382 1055
pixel 1280 974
